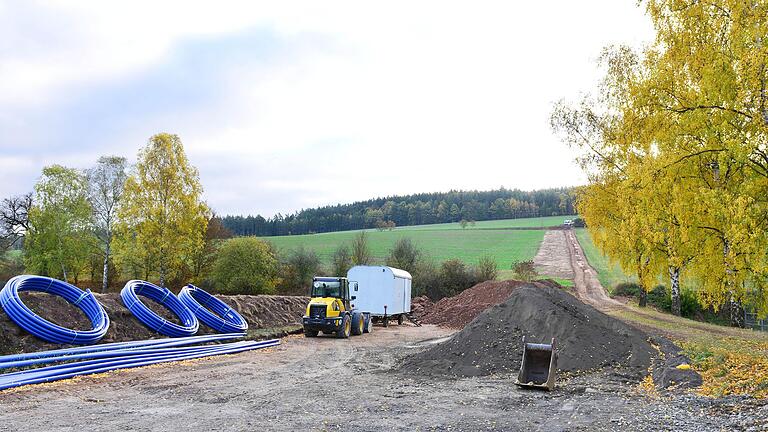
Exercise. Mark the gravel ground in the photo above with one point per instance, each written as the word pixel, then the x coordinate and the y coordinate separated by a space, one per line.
pixel 353 385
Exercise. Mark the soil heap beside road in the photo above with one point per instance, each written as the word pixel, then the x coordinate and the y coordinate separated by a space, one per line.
pixel 458 311
pixel 492 344
pixel 262 311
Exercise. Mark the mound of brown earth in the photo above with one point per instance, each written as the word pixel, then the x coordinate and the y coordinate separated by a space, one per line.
pixel 458 311
pixel 263 311
pixel 586 338
pixel 420 306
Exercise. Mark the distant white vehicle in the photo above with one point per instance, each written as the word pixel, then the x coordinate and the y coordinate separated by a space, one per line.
pixel 568 223
pixel 384 292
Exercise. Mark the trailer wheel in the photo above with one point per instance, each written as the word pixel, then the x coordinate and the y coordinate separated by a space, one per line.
pixel 358 321
pixel 345 329
pixel 310 333
pixel 400 319
pixel 368 324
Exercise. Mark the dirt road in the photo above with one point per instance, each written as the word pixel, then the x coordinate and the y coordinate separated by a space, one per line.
pixel 588 287
pixel 349 385
pixel 552 258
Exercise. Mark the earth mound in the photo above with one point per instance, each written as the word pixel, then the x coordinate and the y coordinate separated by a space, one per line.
pixel 586 338
pixel 261 312
pixel 458 311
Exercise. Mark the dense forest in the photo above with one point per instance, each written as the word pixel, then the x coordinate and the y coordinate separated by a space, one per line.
pixel 418 209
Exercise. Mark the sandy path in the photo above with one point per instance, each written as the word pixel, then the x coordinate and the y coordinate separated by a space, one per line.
pixel 553 258
pixel 588 287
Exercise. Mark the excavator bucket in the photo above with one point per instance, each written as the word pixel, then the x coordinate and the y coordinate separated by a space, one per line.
pixel 538 367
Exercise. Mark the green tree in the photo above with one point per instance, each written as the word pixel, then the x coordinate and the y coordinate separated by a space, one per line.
pixel 106 183
pixel 404 255
pixel 163 219
pixel 300 267
pixel 487 268
pixel 246 265
pixel 342 260
pixel 60 240
pixel 361 252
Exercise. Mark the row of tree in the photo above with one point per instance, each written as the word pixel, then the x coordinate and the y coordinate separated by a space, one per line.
pixel 147 221
pixel 676 147
pixel 418 209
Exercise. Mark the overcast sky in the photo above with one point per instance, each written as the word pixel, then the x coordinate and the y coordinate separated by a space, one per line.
pixel 289 105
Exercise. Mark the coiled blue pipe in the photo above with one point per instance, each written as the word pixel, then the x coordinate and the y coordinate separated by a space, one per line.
pixel 164 296
pixel 211 311
pixel 105 350
pixel 69 370
pixel 44 329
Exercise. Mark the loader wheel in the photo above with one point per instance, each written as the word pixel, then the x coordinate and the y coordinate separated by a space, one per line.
pixel 357 323
pixel 310 333
pixel 368 324
pixel 400 319
pixel 345 329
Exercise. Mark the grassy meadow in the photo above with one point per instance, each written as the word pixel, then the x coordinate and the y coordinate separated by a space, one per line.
pixel 439 242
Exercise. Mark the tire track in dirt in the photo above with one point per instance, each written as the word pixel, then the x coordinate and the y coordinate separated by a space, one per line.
pixel 588 287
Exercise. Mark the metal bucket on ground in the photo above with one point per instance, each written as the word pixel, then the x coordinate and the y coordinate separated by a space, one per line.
pixel 539 366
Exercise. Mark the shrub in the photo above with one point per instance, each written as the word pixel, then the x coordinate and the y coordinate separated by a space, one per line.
pixel 404 255
pixel 342 260
pixel 524 270
pixel 486 269
pixel 361 252
pixel 298 269
pixel 426 280
pixel 626 289
pixel 455 277
pixel 246 265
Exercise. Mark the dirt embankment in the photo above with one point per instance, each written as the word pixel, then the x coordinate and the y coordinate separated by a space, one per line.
pixel 492 343
pixel 264 311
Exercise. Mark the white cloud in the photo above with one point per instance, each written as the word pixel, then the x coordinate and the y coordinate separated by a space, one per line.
pixel 369 98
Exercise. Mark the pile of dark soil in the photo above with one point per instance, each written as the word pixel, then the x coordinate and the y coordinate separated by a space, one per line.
pixel 261 312
pixel 586 338
pixel 458 311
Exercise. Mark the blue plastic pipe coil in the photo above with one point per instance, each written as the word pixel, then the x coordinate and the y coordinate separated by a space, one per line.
pixel 130 296
pixel 211 311
pixel 44 329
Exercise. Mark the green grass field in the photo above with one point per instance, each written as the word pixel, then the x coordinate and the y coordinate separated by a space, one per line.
pixel 608 273
pixel 440 241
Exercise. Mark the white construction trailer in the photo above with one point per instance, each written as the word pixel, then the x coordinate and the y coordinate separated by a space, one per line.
pixel 383 291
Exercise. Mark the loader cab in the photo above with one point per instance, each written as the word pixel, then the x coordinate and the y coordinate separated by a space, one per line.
pixel 331 287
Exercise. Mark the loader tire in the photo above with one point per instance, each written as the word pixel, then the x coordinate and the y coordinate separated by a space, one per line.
pixel 368 327
pixel 358 323
pixel 346 328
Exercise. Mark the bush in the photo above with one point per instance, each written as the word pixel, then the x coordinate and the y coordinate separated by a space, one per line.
pixel 660 298
pixel 524 270
pixel 454 278
pixel 342 260
pixel 404 255
pixel 426 280
pixel 689 303
pixel 246 265
pixel 361 252
pixel 626 289
pixel 579 223
pixel 299 268
pixel 486 269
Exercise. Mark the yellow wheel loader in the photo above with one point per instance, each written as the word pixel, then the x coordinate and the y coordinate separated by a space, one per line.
pixel 330 311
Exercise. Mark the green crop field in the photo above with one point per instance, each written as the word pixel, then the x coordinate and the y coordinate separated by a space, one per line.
pixel 608 273
pixel 440 241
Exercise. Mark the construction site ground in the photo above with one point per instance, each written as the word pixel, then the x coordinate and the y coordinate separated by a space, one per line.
pixel 328 384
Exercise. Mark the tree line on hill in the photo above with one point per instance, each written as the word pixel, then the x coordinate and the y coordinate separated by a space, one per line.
pixel 417 209
pixel 675 149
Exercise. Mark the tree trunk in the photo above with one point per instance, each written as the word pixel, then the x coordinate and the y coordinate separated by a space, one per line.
pixel 64 273
pixel 736 312
pixel 643 301
pixel 674 279
pixel 105 276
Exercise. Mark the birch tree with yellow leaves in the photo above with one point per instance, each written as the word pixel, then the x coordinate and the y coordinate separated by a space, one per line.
pixel 681 131
pixel 162 218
